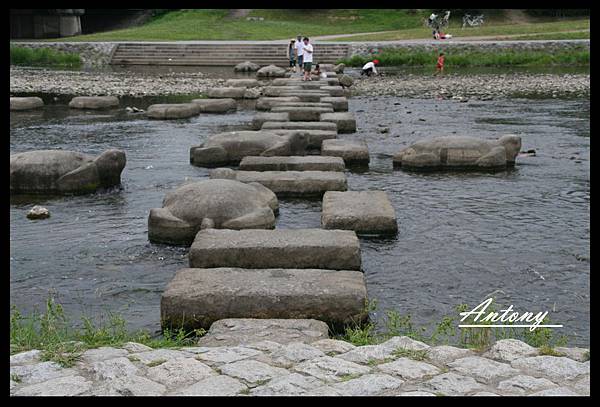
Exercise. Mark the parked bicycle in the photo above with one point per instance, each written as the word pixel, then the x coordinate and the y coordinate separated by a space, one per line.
pixel 472 21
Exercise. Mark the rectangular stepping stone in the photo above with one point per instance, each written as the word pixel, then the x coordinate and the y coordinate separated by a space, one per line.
pixel 333 90
pixel 365 212
pixel 352 151
pixel 266 103
pixel 287 125
pixel 230 92
pixel 244 331
pixel 315 137
pixel 216 105
pixel 339 103
pixel 277 248
pixel 262 117
pixel 306 114
pixel 346 123
pixel 292 163
pixel 289 183
pixel 196 298
pixel 167 111
pixel 306 95
pixel 244 83
pixel 278 90
pixel 302 104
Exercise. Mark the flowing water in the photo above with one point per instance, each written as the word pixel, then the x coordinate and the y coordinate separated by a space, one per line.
pixel 522 235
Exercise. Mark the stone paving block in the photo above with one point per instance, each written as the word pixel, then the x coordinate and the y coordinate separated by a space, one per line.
pixel 403 342
pixel 214 386
pixel 339 103
pixel 556 391
pixel 228 92
pixel 553 367
pixel 227 354
pixel 283 103
pixel 134 347
pixel 196 298
pixel 180 372
pixel 276 91
pixel 158 355
pixel 243 331
pixel 582 386
pixel 293 384
pixel 330 369
pixel 128 386
pixel 409 369
pixel 286 125
pixel 168 111
pixel 244 83
pixel 522 384
pixel 252 372
pixel 266 102
pixel 416 393
pixel 292 163
pixel 352 151
pixel 305 114
pixel 278 248
pixel 345 121
pixel 261 118
pixel 216 105
pixel 367 354
pixel 25 103
pixel 293 353
pixel 483 369
pixel 333 346
pixel 508 350
pixel 578 354
pixel 111 368
pixel 444 354
pixel 103 353
pixel 23 358
pixel 365 212
pixel 289 183
pixel 60 386
pixel 368 385
pixel 39 372
pixel 452 384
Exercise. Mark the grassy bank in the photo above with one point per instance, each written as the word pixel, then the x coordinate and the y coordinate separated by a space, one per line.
pixel 402 57
pixel 43 57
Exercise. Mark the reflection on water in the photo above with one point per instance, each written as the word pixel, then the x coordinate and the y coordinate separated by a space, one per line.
pixel 523 234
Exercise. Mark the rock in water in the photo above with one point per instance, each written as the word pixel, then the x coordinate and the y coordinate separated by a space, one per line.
pixel 64 172
pixel 211 204
pixel 271 71
pixel 339 68
pixel 94 102
pixel 25 103
pixel 38 212
pixel 246 66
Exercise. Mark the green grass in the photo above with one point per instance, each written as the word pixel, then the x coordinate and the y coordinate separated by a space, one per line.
pixel 54 334
pixel 213 24
pixel 580 35
pixel 404 57
pixel 43 57
pixel 457 32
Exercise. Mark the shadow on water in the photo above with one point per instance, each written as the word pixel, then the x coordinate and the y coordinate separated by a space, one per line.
pixel 521 233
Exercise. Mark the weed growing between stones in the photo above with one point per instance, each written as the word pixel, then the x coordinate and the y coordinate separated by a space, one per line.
pixel 53 334
pixel 43 57
pixel 411 354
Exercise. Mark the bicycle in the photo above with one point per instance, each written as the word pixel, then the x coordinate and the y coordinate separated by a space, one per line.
pixel 475 21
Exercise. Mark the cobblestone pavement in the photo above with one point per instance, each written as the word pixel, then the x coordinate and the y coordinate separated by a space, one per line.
pixel 400 366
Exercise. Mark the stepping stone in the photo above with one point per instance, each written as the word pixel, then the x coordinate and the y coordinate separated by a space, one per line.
pixel 352 151
pixel 266 103
pixel 271 71
pixel 278 248
pixel 94 102
pixel 314 137
pixel 244 83
pixel 306 95
pixel 340 104
pixel 25 103
pixel 306 114
pixel 296 81
pixel 293 163
pixel 216 105
pixel 365 212
pixel 262 117
pixel 287 125
pixel 173 111
pixel 335 91
pixel 229 92
pixel 245 331
pixel 196 297
pixel 278 90
pixel 300 104
pixel 289 183
pixel 346 123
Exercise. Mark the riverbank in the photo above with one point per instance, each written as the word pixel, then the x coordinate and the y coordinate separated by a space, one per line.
pixel 324 367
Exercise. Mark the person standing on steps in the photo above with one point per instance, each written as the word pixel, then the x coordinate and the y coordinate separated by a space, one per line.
pixel 291 54
pixel 307 58
pixel 299 51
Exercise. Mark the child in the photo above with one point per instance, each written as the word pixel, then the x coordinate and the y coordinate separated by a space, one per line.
pixel 440 63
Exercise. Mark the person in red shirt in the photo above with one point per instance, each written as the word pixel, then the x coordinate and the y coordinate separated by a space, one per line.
pixel 440 63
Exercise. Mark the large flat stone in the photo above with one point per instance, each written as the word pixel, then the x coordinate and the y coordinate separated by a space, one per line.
pixel 229 92
pixel 522 384
pixel 352 151
pixel 278 90
pixel 365 212
pixel 314 137
pixel 216 105
pixel 173 111
pixel 507 350
pixel 25 103
pixel 368 385
pixel 214 386
pixel 103 353
pixel 292 163
pixel 294 353
pixel 39 372
pixel 242 331
pixel 280 103
pixel 110 369
pixel 129 386
pixel 293 384
pixel 409 369
pixel 266 102
pixel 335 91
pixel 452 384
pixel 306 95
pixel 94 102
pixel 60 386
pixel 553 367
pixel 306 114
pixel 330 369
pixel 339 103
pixel 244 83
pixel 345 121
pixel 196 298
pixel 289 183
pixel 179 372
pixel 279 248
pixel 260 118
pixel 287 125
pixel 252 372
pixel 226 354
pixel 23 358
pixel 483 369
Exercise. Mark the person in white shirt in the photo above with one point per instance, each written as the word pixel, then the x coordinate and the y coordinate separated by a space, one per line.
pixel 307 58
pixel 299 49
pixel 369 68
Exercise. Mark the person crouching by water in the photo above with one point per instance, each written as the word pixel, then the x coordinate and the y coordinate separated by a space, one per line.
pixel 291 53
pixel 439 68
pixel 299 47
pixel 307 58
pixel 369 68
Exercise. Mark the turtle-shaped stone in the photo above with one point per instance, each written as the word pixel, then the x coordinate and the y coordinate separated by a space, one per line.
pixel 64 172
pixel 460 152
pixel 218 204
